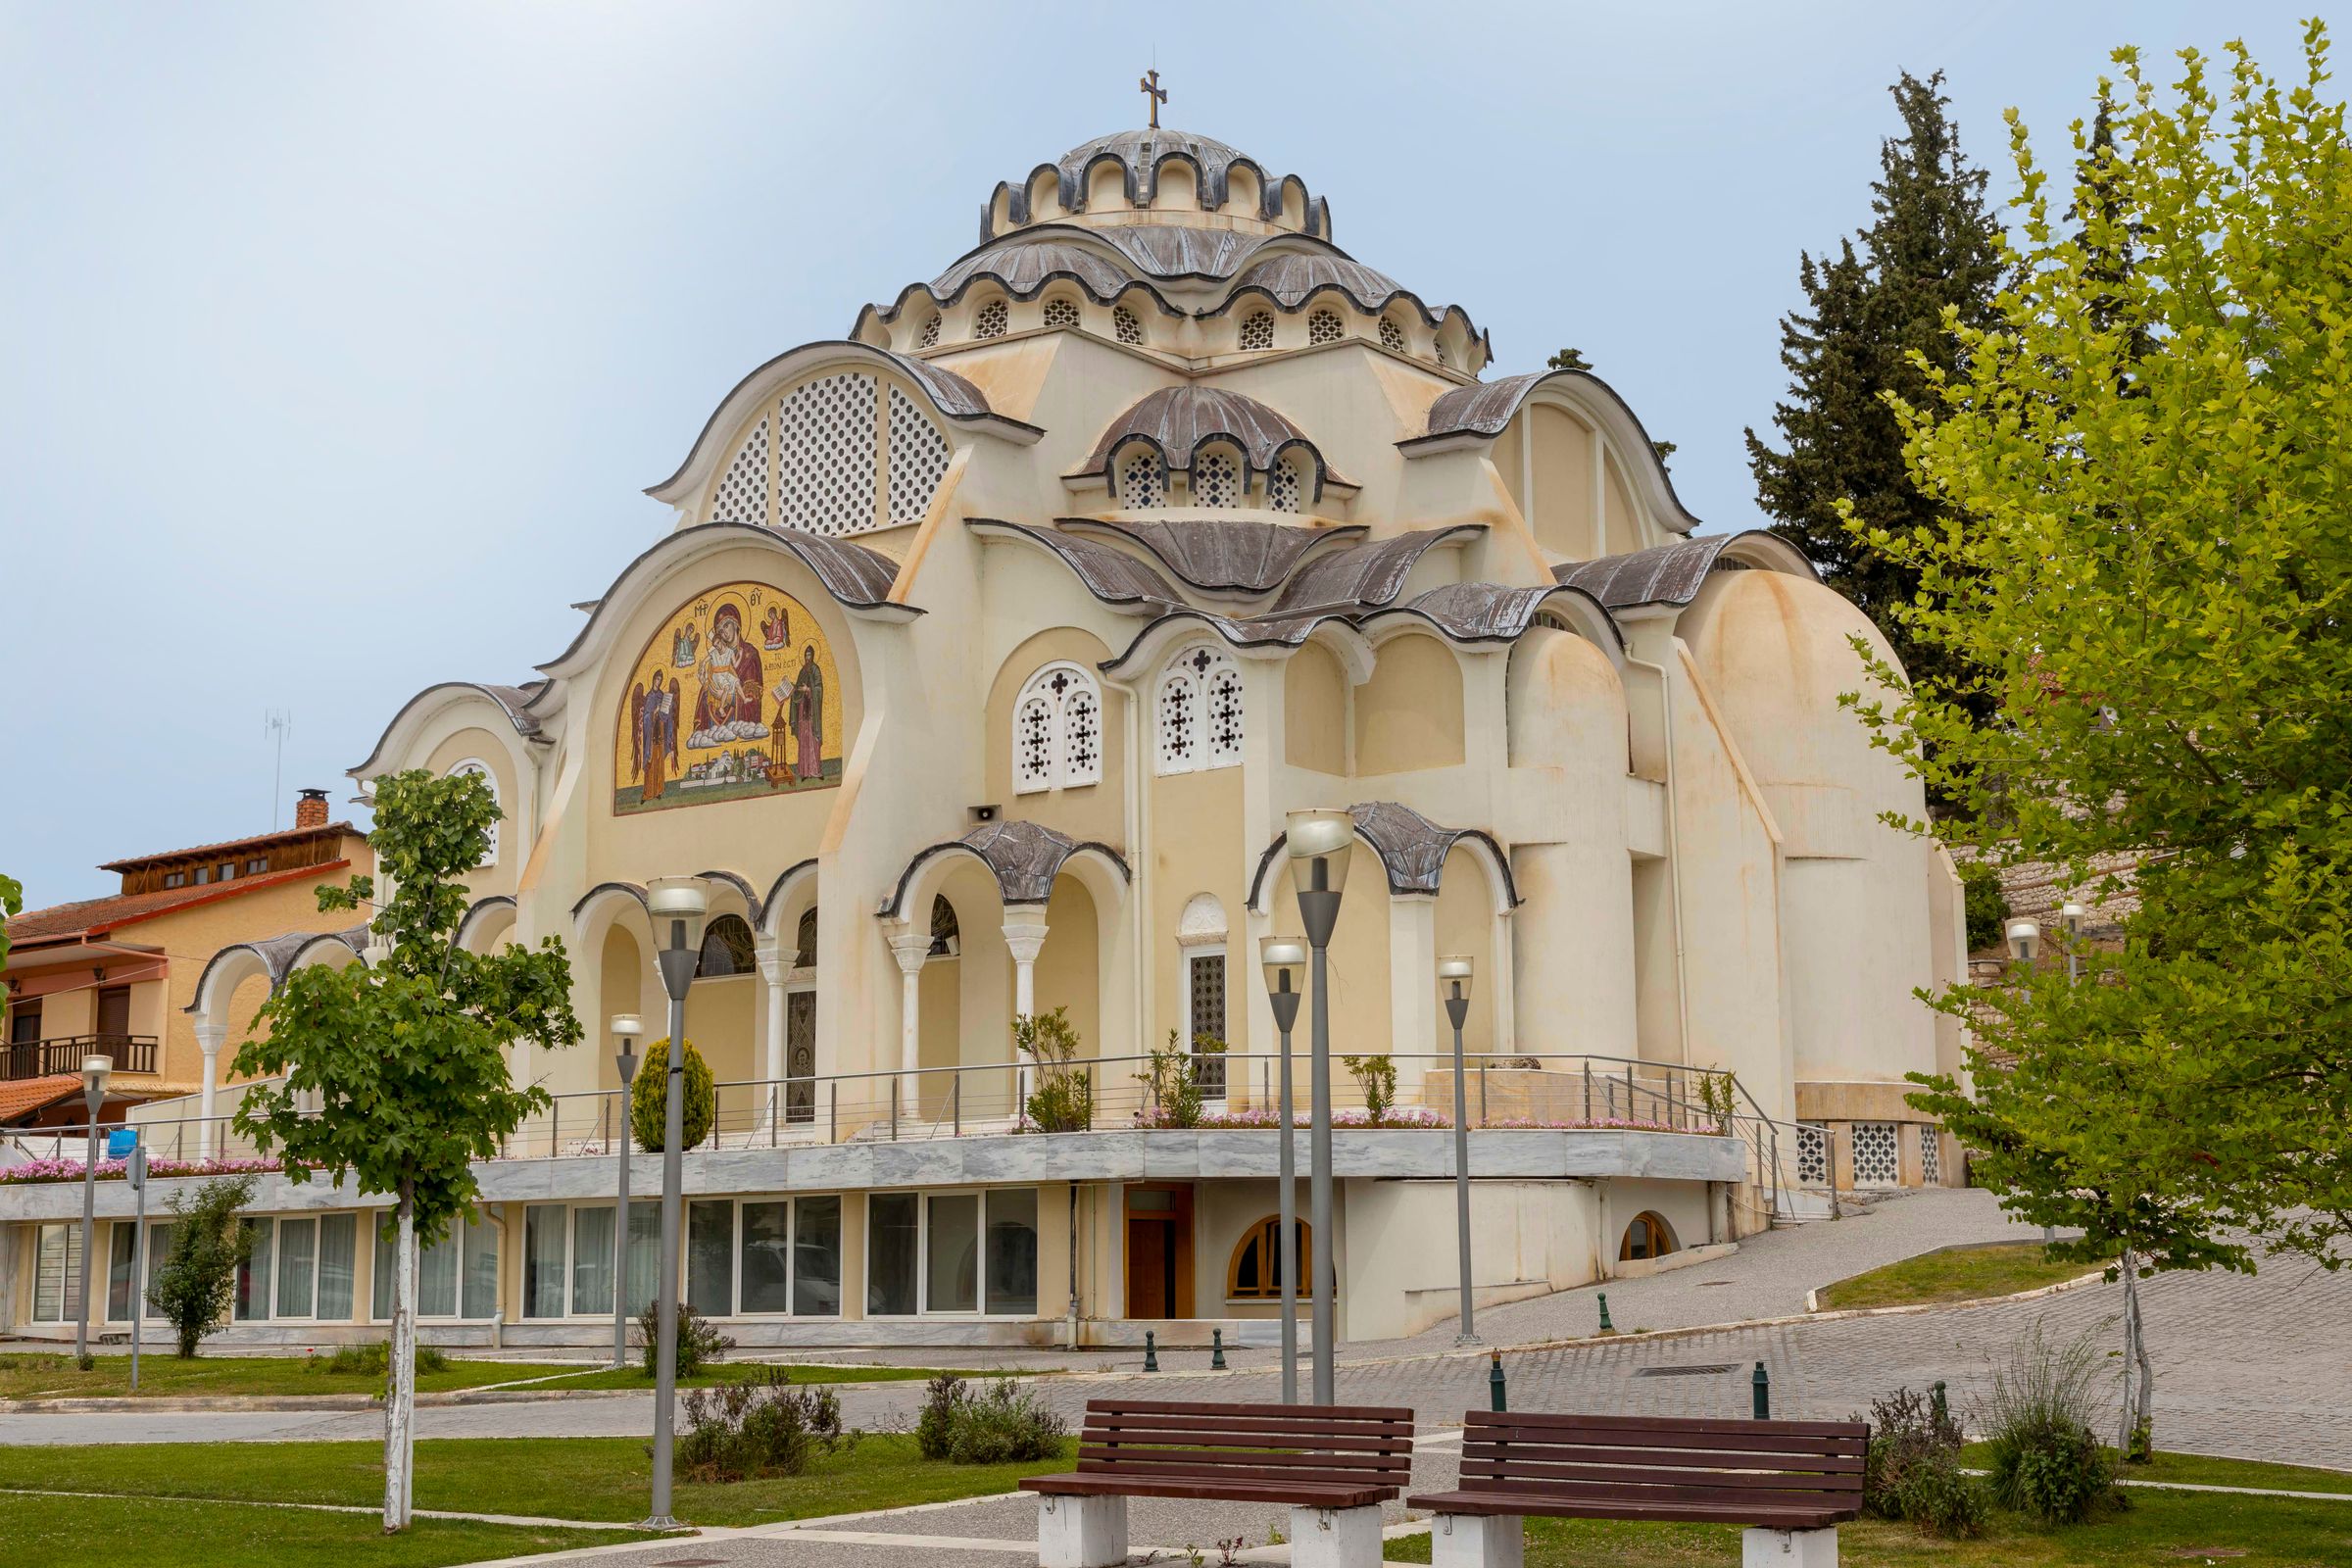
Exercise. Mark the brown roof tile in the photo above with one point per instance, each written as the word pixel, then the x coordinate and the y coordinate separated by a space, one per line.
pixel 291 835
pixel 26 1095
pixel 80 918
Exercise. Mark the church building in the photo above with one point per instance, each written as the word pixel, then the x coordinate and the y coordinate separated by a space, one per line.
pixel 985 651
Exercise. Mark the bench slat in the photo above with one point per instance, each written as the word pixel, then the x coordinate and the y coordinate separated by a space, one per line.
pixel 1283 1491
pixel 1248 1459
pixel 1696 1444
pixel 1189 1431
pixel 1540 1503
pixel 1646 1475
pixel 1315 1412
pixel 1660 1423
pixel 1668 1458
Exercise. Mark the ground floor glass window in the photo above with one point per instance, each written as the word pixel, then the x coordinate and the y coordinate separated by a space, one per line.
pixel 952 1252
pixel 456 1276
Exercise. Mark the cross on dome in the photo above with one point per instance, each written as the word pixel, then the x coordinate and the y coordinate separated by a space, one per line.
pixel 1154 93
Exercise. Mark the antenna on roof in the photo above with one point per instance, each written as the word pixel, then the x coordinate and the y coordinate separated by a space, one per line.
pixel 278 723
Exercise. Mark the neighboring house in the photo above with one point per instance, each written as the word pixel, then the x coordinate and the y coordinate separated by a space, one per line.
pixel 984 654
pixel 114 976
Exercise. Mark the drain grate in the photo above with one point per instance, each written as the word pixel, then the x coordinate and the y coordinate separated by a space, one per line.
pixel 1708 1285
pixel 1683 1371
pixel 693 1562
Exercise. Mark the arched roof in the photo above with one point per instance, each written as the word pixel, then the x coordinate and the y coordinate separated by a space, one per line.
pixel 1139 156
pixel 1501 613
pixel 1363 577
pixel 1023 856
pixel 274 956
pixel 1480 410
pixel 1177 419
pixel 1219 555
pixel 1412 851
pixel 1023 266
pixel 1674 573
pixel 1291 277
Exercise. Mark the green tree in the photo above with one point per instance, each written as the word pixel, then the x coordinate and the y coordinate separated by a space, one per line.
pixel 649 1099
pixel 195 1281
pixel 405 1055
pixel 12 902
pixel 1568 360
pixel 2151 568
pixel 1879 317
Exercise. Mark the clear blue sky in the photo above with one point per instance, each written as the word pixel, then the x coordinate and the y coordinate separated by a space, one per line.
pixel 337 341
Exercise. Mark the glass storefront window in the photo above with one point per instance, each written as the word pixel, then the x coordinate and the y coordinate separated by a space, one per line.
pixel 253 1275
pixel 591 1262
pixel 817 1258
pixel 893 1241
pixel 710 1257
pixel 953 1254
pixel 543 1227
pixel 1012 1252
pixel 123 1240
pixel 767 1257
pixel 297 1264
pixel 338 1258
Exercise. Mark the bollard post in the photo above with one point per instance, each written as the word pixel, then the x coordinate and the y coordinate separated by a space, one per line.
pixel 1495 1385
pixel 1217 1349
pixel 1152 1351
pixel 1606 1327
pixel 1937 1400
pixel 1763 1386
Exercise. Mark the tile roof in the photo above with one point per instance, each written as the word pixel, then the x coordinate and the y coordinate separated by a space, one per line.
pixel 26 1095
pixel 291 835
pixel 87 916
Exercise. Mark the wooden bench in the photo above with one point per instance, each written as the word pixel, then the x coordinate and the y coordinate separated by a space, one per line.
pixel 1332 1464
pixel 1791 1482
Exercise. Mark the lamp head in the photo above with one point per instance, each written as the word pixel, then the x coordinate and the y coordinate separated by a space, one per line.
pixel 1321 844
pixel 626 1027
pixel 2070 918
pixel 679 906
pixel 1285 961
pixel 1454 975
pixel 2025 940
pixel 95 1071
pixel 378 953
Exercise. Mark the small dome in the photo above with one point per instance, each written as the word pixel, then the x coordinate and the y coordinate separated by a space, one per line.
pixel 1025 266
pixel 1292 277
pixel 1140 156
pixel 1178 419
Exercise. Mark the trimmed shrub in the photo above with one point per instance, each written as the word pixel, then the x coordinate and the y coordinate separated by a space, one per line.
pixel 649 1098
pixel 2040 1452
pixel 698 1342
pixel 760 1425
pixel 1912 1471
pixel 1007 1423
pixel 374 1359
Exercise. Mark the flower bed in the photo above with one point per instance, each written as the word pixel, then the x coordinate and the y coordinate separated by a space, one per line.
pixel 1416 1118
pixel 111 1170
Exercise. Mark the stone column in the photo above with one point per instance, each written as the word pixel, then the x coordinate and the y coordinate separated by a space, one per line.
pixel 209 1038
pixel 910 947
pixel 1025 939
pixel 773 970
pixel 1414 986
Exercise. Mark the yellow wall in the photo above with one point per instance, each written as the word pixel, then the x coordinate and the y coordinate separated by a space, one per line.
pixel 1562 519
pixel 1314 704
pixel 1409 715
pixel 1069 968
pixel 1196 848
pixel 1466 925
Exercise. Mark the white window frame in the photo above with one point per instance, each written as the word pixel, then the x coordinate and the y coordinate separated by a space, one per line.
pixel 68 1284
pixel 1060 772
pixel 922 1259
pixel 489 776
pixel 371 1221
pixel 1206 757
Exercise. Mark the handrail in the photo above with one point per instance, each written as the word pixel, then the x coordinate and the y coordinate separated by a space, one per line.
pixel 59 1055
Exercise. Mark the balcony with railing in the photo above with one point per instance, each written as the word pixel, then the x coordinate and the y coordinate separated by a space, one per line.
pixel 64 1053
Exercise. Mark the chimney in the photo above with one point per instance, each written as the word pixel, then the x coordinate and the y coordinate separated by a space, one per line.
pixel 310 810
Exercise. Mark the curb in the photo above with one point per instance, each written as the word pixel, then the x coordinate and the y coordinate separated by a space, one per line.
pixel 1814 1314
pixel 323 1403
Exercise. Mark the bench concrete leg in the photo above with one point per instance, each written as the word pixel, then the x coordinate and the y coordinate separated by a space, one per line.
pixel 1789 1548
pixel 1081 1531
pixel 1477 1541
pixel 1335 1538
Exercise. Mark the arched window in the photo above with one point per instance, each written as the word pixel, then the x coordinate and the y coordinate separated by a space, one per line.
pixel 1283 487
pixel 947 937
pixel 1255 1272
pixel 1126 327
pixel 1200 712
pixel 726 949
pixel 1140 481
pixel 1323 326
pixel 480 769
pixel 1057 731
pixel 1257 330
pixel 804 941
pixel 1062 311
pixel 1216 478
pixel 991 320
pixel 1391 336
pixel 1648 1235
pixel 928 337
pixel 1438 349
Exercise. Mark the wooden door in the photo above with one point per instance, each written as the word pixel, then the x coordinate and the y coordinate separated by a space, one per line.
pixel 1160 1251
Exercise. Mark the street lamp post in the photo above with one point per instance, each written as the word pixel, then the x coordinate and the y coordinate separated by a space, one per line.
pixel 1284 959
pixel 2070 921
pixel 626 1027
pixel 1320 845
pixel 95 1070
pixel 1453 985
pixel 678 906
pixel 134 1171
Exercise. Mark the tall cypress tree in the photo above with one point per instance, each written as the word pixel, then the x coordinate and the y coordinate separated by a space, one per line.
pixel 1930 244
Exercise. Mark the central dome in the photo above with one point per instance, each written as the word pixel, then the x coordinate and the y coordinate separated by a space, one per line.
pixel 1080 183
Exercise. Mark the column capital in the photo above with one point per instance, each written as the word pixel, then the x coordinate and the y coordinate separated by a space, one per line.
pixel 1025 932
pixel 210 1037
pixel 772 965
pixel 910 948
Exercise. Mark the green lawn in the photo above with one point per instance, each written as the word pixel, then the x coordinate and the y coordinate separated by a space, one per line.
pixel 108 1533
pixel 1954 1274
pixel 592 1479
pixel 2198 1470
pixel 54 1377
pixel 634 1377
pixel 2158 1528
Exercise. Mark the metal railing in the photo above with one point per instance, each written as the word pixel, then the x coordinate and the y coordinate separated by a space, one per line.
pixel 1121 1093
pixel 63 1054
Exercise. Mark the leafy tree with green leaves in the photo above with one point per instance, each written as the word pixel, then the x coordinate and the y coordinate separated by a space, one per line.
pixel 1568 360
pixel 1987 904
pixel 2150 565
pixel 405 1055
pixel 195 1281
pixel 1879 317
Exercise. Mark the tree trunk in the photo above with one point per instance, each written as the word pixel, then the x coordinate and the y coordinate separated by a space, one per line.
pixel 2140 1376
pixel 400 1399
